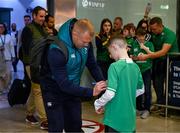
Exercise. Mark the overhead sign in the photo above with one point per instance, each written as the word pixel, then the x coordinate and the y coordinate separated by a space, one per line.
pixel 93 3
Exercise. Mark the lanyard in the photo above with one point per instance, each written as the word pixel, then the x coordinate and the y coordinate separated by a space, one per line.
pixel 3 41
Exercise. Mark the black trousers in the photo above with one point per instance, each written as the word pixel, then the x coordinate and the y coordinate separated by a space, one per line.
pixel 111 130
pixel 158 77
pixel 64 115
pixel 14 63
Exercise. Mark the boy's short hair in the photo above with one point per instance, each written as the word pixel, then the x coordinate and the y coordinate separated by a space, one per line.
pixel 118 40
pixel 141 32
pixel 47 17
pixel 129 26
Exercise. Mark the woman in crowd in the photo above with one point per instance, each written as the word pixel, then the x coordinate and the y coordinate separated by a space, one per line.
pixel 7 55
pixel 144 24
pixel 102 39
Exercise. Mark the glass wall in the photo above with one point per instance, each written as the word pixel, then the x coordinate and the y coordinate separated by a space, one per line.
pixel 129 10
pixel 64 9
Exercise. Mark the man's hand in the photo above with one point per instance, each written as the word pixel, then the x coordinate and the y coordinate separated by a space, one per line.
pixel 133 57
pixel 100 86
pixel 142 57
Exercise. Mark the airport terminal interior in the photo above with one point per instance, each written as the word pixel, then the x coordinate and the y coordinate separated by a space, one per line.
pixel 13 120
pixel 165 120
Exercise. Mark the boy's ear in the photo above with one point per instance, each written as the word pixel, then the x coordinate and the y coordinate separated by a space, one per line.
pixel 115 47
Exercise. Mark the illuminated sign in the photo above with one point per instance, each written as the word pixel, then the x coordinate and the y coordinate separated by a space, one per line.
pixel 93 3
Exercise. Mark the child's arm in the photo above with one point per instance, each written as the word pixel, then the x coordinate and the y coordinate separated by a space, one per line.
pixel 140 91
pixel 140 85
pixel 101 102
pixel 145 48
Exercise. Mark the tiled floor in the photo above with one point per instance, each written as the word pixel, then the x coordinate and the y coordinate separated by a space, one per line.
pixel 12 120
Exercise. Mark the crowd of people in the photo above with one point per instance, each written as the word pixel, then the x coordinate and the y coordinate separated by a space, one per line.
pixel 128 58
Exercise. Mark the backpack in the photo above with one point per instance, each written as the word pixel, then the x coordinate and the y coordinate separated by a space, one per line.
pixel 38 53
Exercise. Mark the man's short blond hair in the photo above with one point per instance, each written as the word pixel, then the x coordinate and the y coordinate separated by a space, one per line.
pixel 84 25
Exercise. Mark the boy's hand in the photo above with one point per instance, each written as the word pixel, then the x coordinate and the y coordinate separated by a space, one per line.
pixel 100 110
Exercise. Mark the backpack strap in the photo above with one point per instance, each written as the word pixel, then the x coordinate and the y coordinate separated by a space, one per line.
pixel 60 45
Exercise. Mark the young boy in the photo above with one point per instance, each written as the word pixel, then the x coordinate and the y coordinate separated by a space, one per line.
pixel 124 84
pixel 140 46
pixel 129 33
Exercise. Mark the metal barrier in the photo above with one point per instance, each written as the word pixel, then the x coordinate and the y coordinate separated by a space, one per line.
pixel 167 85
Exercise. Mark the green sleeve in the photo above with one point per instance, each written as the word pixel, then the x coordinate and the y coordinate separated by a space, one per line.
pixel 170 38
pixel 140 81
pixel 151 46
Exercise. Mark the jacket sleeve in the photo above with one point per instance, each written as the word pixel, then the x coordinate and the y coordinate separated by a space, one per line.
pixel 98 42
pixel 93 66
pixel 57 63
pixel 26 39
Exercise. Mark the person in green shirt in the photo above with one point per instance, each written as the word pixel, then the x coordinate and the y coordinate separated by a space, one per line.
pixel 124 84
pixel 164 41
pixel 141 46
pixel 129 33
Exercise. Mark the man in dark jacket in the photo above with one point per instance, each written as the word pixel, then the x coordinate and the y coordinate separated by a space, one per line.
pixel 31 33
pixel 60 83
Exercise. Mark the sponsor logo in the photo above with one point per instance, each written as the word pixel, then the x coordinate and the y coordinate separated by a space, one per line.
pixel 93 3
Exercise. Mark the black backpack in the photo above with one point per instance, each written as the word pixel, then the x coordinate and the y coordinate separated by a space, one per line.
pixel 39 51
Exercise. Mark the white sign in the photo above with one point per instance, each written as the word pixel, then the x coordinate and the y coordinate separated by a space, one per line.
pixel 93 3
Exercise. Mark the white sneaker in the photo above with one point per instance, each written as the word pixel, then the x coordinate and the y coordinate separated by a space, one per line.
pixel 139 112
pixel 145 114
